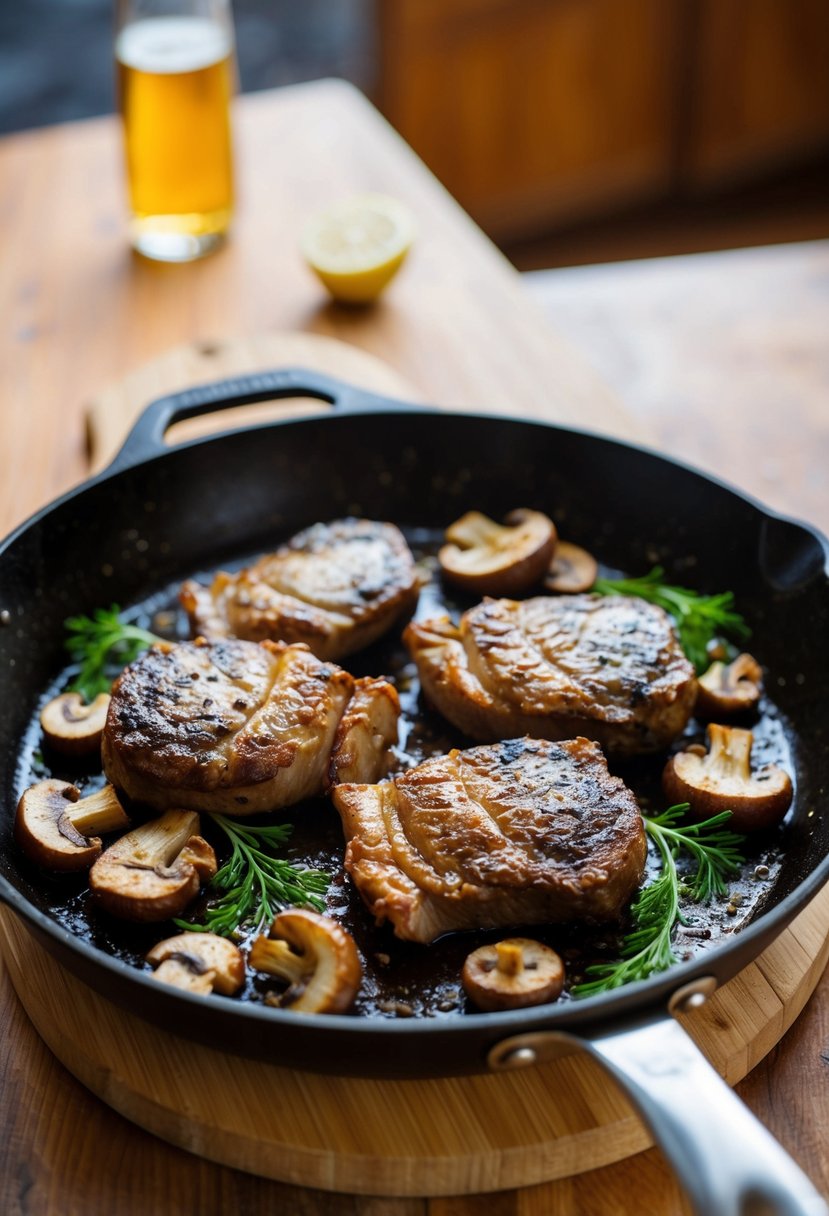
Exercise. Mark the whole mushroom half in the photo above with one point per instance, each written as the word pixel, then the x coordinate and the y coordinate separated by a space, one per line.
pixel 721 780
pixel 488 558
pixel 154 871
pixel 512 973
pixel 316 956
pixel 199 962
pixel 73 728
pixel 58 829
pixel 728 689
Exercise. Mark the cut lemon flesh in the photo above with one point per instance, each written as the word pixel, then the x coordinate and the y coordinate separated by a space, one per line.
pixel 357 246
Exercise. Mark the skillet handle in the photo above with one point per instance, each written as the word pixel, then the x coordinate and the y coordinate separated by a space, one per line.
pixel 146 438
pixel 729 1164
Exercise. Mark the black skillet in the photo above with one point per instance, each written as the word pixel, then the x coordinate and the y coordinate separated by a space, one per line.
pixel 158 513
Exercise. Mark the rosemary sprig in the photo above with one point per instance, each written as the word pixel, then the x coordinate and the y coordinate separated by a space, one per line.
pixel 655 912
pixel 103 644
pixel 699 618
pixel 253 884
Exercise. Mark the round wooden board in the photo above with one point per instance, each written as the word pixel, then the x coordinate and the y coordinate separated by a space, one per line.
pixel 113 411
pixel 405 1138
pixel 451 1136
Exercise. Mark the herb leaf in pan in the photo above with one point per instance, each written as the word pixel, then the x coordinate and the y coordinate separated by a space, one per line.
pixel 655 912
pixel 103 644
pixel 254 884
pixel 700 619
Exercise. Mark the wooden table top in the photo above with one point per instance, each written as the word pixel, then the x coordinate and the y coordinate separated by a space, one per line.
pixel 459 325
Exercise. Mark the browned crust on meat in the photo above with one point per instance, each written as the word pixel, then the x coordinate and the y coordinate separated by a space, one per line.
pixel 338 587
pixel 523 832
pixel 227 726
pixel 537 667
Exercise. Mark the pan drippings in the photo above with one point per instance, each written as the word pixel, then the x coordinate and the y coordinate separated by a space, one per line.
pixel 402 979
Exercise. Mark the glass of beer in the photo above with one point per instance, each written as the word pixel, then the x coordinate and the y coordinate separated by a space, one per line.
pixel 176 74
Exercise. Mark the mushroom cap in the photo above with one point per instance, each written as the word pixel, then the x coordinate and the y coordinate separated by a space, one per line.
pixel 722 780
pixel 316 955
pixel 73 728
pixel 572 569
pixel 206 963
pixel 45 827
pixel 154 871
pixel 488 558
pixel 512 974
pixel 728 689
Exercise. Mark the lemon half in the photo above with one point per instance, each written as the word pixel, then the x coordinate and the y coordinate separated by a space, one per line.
pixel 357 246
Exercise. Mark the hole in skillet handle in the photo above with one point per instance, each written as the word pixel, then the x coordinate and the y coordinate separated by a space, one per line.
pixel 145 440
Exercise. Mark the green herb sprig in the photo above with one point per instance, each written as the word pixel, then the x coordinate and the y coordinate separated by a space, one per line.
pixel 103 644
pixel 700 619
pixel 253 883
pixel 655 913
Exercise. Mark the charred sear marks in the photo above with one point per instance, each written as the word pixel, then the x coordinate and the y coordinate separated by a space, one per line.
pixel 336 586
pixel 517 833
pixel 608 668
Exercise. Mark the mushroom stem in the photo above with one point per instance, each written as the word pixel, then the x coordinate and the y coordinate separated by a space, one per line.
pixel 510 958
pixel 316 956
pixel 154 871
pixel 98 813
pixel 721 780
pixel 730 753
pixel 277 958
pixel 57 829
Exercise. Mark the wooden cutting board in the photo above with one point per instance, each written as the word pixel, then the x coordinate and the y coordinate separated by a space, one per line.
pixel 111 414
pixel 454 1136
pixel 412 1138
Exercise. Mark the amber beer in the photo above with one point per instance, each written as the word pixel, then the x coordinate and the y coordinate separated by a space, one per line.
pixel 175 79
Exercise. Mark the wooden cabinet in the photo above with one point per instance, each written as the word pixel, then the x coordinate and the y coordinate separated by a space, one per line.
pixel 540 112
pixel 757 94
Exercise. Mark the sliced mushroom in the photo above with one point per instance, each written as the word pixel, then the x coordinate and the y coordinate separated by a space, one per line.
pixel 199 962
pixel 721 780
pixel 316 956
pixel 572 569
pixel 512 973
pixel 725 690
pixel 57 829
pixel 154 871
pixel 73 728
pixel 494 559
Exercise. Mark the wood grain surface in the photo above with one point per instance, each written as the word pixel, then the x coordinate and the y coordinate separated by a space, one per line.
pixel 722 357
pixel 113 411
pixel 457 324
pixel 84 311
pixel 430 1137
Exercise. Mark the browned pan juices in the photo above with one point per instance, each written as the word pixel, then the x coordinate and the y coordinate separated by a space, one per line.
pixel 403 979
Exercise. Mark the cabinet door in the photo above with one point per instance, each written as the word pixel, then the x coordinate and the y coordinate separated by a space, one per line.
pixel 758 88
pixel 532 111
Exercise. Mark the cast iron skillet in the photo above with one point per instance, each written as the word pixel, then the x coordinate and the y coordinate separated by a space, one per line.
pixel 157 514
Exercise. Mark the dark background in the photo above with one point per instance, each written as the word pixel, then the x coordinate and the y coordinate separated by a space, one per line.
pixel 56 55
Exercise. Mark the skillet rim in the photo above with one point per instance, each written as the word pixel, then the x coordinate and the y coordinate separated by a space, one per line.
pixel 638 997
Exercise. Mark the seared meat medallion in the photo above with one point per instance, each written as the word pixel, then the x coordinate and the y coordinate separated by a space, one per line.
pixel 555 667
pixel 240 727
pixel 336 586
pixel 516 833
